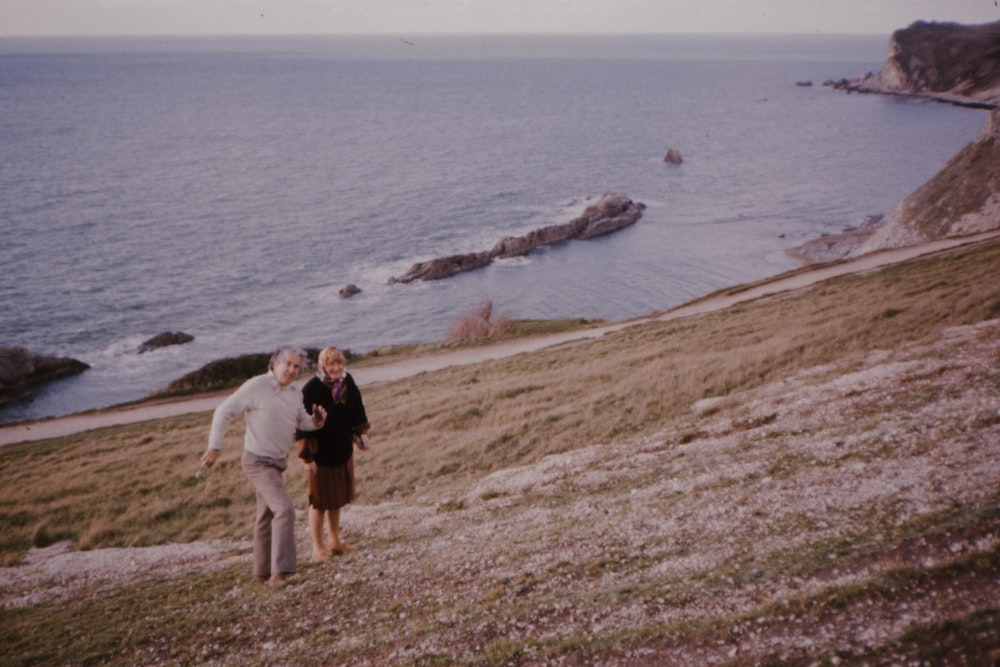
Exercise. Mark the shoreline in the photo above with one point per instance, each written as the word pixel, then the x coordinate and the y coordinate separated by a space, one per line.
pixel 807 276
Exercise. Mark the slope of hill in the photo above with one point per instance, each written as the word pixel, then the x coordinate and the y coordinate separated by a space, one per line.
pixel 807 478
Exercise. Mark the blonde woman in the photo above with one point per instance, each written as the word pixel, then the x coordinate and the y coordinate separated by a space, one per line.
pixel 328 453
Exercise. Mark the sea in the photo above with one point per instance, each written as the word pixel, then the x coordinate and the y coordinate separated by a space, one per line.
pixel 230 187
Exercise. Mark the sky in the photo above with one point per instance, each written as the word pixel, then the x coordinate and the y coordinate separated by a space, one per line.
pixel 412 17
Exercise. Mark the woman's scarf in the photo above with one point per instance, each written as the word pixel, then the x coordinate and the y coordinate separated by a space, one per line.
pixel 337 386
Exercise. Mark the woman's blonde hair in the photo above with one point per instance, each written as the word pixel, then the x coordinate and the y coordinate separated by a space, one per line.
pixel 331 355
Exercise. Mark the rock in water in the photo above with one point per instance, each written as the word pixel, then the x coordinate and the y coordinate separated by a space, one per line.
pixel 613 212
pixel 347 291
pixel 165 339
pixel 20 371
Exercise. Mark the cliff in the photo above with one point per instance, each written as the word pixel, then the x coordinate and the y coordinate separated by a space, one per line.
pixel 943 61
pixel 963 198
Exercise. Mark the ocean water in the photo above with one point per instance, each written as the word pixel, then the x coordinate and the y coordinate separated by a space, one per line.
pixel 229 188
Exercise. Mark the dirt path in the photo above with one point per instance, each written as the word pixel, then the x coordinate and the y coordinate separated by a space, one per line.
pixel 395 370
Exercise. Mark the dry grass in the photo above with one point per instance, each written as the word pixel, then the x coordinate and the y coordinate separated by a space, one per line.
pixel 479 324
pixel 122 487
pixel 451 435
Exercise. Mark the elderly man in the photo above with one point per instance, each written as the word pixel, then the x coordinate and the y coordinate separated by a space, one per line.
pixel 273 410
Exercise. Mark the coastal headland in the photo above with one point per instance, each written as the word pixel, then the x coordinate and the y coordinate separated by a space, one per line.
pixel 944 62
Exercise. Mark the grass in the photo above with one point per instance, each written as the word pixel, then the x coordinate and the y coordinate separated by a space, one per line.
pixel 133 485
pixel 91 634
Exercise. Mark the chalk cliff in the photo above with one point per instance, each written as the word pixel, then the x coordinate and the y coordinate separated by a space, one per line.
pixel 963 198
pixel 943 61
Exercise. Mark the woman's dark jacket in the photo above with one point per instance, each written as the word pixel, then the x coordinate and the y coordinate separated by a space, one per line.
pixel 344 419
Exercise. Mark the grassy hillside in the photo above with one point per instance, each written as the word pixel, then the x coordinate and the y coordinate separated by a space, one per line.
pixel 809 478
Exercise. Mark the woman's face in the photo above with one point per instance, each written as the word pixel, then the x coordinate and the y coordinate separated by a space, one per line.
pixel 334 369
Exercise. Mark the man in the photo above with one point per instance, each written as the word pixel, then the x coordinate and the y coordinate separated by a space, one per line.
pixel 273 410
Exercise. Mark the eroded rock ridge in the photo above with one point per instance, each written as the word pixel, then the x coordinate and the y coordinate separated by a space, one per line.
pixel 614 211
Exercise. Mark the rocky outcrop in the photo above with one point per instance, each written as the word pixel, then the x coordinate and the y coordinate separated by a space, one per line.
pixel 613 212
pixel 444 267
pixel 165 339
pixel 942 61
pixel 21 371
pixel 835 247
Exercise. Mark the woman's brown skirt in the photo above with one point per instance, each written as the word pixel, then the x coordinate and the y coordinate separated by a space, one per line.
pixel 332 487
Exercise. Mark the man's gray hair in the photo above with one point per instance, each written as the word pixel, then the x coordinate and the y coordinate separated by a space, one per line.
pixel 286 350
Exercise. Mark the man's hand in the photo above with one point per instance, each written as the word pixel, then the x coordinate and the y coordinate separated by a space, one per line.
pixel 209 458
pixel 318 416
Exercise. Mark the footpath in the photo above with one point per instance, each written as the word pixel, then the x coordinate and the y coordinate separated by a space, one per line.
pixel 395 370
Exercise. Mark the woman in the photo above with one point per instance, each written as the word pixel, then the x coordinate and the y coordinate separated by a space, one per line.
pixel 328 452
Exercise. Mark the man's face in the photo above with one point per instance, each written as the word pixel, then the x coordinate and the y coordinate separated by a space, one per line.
pixel 287 368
